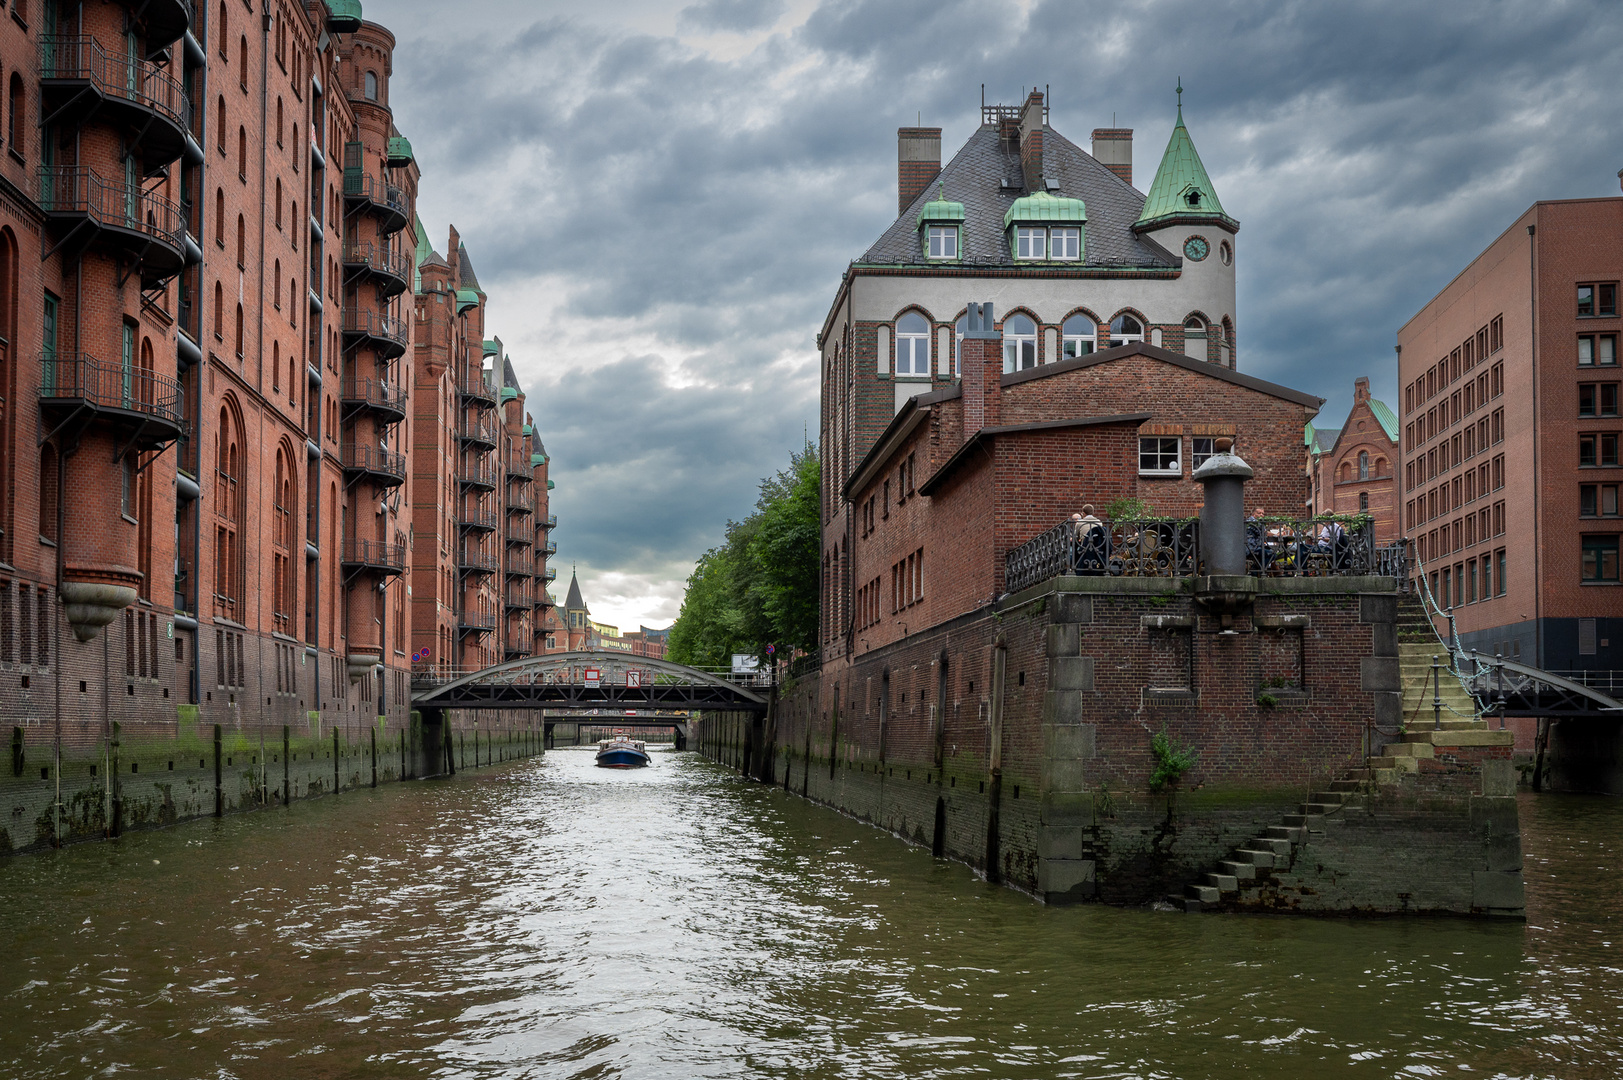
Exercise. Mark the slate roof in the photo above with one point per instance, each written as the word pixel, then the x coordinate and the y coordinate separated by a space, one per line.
pixel 573 601
pixel 1319 440
pixel 465 267
pixel 975 178
pixel 509 376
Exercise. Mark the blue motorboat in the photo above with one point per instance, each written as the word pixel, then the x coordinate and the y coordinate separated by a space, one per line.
pixel 622 752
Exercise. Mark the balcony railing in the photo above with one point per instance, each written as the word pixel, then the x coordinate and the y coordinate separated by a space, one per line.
pixel 550 547
pixel 518 499
pixel 385 200
pixel 1170 548
pixel 71 66
pixel 478 520
pixel 478 622
pixel 393 268
pixel 477 390
pixel 549 522
pixel 477 476
pixel 520 565
pixel 544 599
pixel 519 470
pixel 386 333
pixel 519 534
pixel 471 561
pixel 549 576
pixel 145 224
pixel 83 381
pixel 374 554
pixel 375 394
pixel 476 433
pixel 519 598
pixel 375 461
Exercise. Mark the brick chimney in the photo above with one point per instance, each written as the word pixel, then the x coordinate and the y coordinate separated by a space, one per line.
pixel 1360 389
pixel 918 162
pixel 1113 148
pixel 1032 118
pixel 980 360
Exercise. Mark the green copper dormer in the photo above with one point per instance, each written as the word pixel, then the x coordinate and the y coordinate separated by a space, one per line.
pixel 509 393
pixel 493 346
pixel 539 459
pixel 1181 190
pixel 1044 226
pixel 343 16
pixel 528 430
pixel 941 227
pixel 466 299
pixel 399 155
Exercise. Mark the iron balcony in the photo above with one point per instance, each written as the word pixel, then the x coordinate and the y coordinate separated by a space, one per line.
pixel 475 433
pixel 519 599
pixel 519 470
pixel 519 565
pixel 476 622
pixel 544 599
pixel 78 80
pixel 549 522
pixel 386 401
pixel 390 270
pixel 477 476
pixel 383 466
pixel 478 521
pixel 383 200
pixel 374 555
pixel 522 534
pixel 384 333
pixel 477 391
pixel 549 576
pixel 474 562
pixel 124 218
pixel 551 547
pixel 148 409
pixel 519 501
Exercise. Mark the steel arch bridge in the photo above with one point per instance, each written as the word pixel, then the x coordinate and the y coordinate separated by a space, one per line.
pixel 588 680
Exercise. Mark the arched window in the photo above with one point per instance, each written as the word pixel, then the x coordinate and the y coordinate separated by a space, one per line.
pixel 18 101
pixel 1194 337
pixel 225 33
pixel 1019 343
pixel 1081 336
pixel 1345 472
pixel 1124 329
pixel 293 300
pixel 242 152
pixel 219 216
pixel 239 331
pixel 242 57
pixel 278 119
pixel 278 202
pixel 371 86
pixel 1363 500
pixel 276 284
pixel 912 345
pixel 1363 464
pixel 276 365
pixel 228 495
pixel 1380 467
pixel 293 217
pixel 219 121
pixel 219 312
pixel 283 585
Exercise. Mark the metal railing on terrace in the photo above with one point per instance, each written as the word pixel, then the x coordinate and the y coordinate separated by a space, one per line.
pixel 377 258
pixel 477 433
pixel 373 393
pixel 477 390
pixel 482 520
pixel 470 560
pixel 113 204
pixel 476 620
pixel 520 500
pixel 476 476
pixel 1170 548
pixel 81 378
pixel 125 78
pixel 361 323
pixel 374 553
pixel 519 470
pixel 374 460
pixel 549 522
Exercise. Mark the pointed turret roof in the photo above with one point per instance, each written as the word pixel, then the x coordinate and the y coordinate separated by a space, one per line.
pixel 1181 189
pixel 574 602
pixel 465 267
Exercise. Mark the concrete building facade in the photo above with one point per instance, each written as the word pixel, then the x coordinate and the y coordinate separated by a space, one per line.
pixel 1509 383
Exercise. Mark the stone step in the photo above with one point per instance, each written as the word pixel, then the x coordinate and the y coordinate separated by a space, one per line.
pixel 1321 809
pixel 1407 749
pixel 1262 860
pixel 1205 894
pixel 1331 796
pixel 1222 882
pixel 1304 821
pixel 1352 783
pixel 1239 871
pixel 1289 833
pixel 1280 849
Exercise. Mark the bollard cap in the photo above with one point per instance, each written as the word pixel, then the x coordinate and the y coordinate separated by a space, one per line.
pixel 1223 462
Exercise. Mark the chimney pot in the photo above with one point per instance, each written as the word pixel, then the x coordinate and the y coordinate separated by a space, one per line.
pixel 918 163
pixel 1113 148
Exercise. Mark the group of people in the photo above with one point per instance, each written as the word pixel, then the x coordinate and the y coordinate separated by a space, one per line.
pixel 1269 543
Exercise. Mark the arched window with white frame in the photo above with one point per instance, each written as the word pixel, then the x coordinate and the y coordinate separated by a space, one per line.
pixel 913 345
pixel 1194 338
pixel 1125 328
pixel 1019 343
pixel 1363 464
pixel 1081 336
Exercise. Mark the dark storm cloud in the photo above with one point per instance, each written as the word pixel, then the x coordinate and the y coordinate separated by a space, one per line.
pixel 662 228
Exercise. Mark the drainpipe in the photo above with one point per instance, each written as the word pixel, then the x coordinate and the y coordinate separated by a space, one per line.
pixel 1532 311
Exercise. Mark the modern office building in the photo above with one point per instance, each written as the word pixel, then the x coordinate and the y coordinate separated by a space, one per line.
pixel 1509 382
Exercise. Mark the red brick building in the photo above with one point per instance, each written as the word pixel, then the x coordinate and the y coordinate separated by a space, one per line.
pixel 1352 468
pixel 1511 428
pixel 216 436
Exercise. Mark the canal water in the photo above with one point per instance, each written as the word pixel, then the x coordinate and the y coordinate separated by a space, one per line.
pixel 549 919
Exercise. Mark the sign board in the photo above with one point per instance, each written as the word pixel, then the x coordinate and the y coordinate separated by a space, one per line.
pixel 594 677
pixel 633 680
pixel 746 665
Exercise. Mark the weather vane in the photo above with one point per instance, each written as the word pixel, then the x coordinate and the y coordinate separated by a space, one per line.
pixel 1180 91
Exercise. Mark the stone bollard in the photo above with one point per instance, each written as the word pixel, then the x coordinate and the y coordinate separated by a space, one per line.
pixel 1222 522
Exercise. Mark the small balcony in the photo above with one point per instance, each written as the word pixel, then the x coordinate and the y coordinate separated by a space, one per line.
pixel 520 471
pixel 475 622
pixel 386 401
pixel 146 228
pixel 544 600
pixel 390 270
pixel 478 477
pixel 550 547
pixel 384 467
pixel 373 555
pixel 478 392
pixel 166 22
pixel 477 433
pixel 519 565
pixel 147 409
pixel 479 521
pixel 519 598
pixel 383 333
pixel 519 501
pixel 78 80
pixel 473 561
pixel 549 575
pixel 519 533
pixel 382 200
pixel 549 522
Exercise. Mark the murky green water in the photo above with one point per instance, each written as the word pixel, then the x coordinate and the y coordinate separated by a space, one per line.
pixel 555 920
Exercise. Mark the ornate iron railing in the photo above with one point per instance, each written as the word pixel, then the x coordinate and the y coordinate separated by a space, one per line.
pixel 377 257
pixel 377 553
pixel 374 459
pixel 1170 548
pixel 111 203
pixel 375 393
pixel 82 59
pixel 79 377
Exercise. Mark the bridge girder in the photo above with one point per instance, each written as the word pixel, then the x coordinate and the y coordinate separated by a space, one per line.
pixel 558 681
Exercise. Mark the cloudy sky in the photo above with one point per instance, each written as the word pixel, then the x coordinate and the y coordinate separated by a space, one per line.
pixel 660 199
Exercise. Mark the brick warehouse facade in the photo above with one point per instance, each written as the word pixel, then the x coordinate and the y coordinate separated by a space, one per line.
pixel 1353 469
pixel 1511 470
pixel 211 321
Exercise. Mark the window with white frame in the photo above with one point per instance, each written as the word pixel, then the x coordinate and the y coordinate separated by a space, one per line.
pixel 912 345
pixel 1081 336
pixel 1125 328
pixel 1065 244
pixel 1158 455
pixel 1019 343
pixel 1194 337
pixel 1200 448
pixel 1031 242
pixel 943 241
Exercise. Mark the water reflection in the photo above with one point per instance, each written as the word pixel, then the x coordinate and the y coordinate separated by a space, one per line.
pixel 550 919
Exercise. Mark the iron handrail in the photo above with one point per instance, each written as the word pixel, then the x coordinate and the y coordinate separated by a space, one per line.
pixel 127 77
pixel 362 552
pixel 365 390
pixel 81 377
pixel 373 459
pixel 377 257
pixel 374 324
pixel 79 189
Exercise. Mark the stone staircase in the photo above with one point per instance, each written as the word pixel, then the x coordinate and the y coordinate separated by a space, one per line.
pixel 1252 866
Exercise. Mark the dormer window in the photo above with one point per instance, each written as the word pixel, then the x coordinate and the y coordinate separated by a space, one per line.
pixel 940 223
pixel 1065 244
pixel 1044 226
pixel 943 242
pixel 1032 244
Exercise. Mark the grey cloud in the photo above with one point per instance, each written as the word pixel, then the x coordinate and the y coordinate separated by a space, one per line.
pixel 729 15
